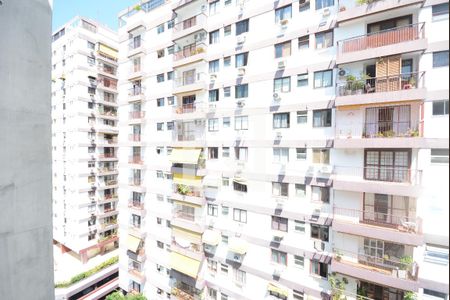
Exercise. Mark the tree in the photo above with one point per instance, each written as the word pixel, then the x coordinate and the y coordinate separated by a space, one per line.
pixel 119 296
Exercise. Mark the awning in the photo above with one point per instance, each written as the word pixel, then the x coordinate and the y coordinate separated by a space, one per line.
pixel 211 181
pixel 178 202
pixel 276 289
pixel 240 180
pixel 133 243
pixel 185 156
pixel 184 264
pixel 187 235
pixel 211 237
pixel 188 180
pixel 108 51
pixel 238 246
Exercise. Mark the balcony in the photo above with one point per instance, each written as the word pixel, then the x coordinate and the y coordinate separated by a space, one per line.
pixel 182 291
pixel 189 83
pixel 107 156
pixel 108 84
pixel 135 159
pixel 106 170
pixel 136 115
pixel 188 193
pixel 392 88
pixel 185 108
pixel 397 272
pixel 136 204
pixel 192 250
pixel 189 26
pixel 135 181
pixel 136 93
pixel 140 256
pixel 134 137
pixel 403 229
pixel 191 221
pixel 137 271
pixel 106 69
pixel 135 46
pixel 189 54
pixel 108 198
pixel 402 39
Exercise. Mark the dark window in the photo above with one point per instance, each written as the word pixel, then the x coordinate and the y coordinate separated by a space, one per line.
pixel 302 80
pixel 281 120
pixel 440 108
pixel 239 187
pixel 242 26
pixel 213 95
pixel 241 91
pixel 241 60
pixel 304 5
pixel 213 153
pixel 303 42
pixel 160 78
pixel 440 59
pixel 320 269
pixel 324 3
pixel 323 79
pixel 279 223
pixel 322 118
pixel 319 232
pixel 440 11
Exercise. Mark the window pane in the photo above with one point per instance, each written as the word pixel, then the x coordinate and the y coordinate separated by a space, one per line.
pixel 440 59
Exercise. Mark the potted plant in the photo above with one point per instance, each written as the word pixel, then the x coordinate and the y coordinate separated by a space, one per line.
pixel 338 256
pixel 358 87
pixel 183 189
pixel 350 79
pixel 410 296
pixel 405 265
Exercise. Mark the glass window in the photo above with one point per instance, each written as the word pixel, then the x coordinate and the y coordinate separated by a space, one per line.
pixel 171 100
pixel 320 194
pixel 279 257
pixel 279 223
pixel 241 153
pixel 280 189
pixel 440 11
pixel 160 102
pixel 324 3
pixel 227 91
pixel 440 59
pixel 225 181
pixel 226 152
pixel 214 37
pixel 226 122
pixel 301 153
pixel 214 7
pixel 302 80
pixel 319 232
pixel 242 27
pixel 214 66
pixel 299 261
pixel 302 117
pixel 213 125
pixel 241 60
pixel 170 24
pixel 324 40
pixel 298 295
pixel 303 42
pixel 323 79
pixel 304 5
pixel 300 190
pixel 436 254
pixel 170 75
pixel 318 268
pixel 241 123
pixel 213 152
pixel 160 28
pixel 439 156
pixel 283 13
pixel 239 187
pixel 433 295
pixel 227 61
pixel 90 45
pixel 170 125
pixel 280 120
pixel 225 239
pixel 213 95
pixel 239 276
pixel 160 78
pixel 283 49
pixel 440 108
pixel 281 155
pixel 160 126
pixel 170 50
pixel 282 85
pixel 240 215
pixel 227 30
pixel 322 118
pixel 241 91
pixel 213 210
pixel 300 226
pixel 160 53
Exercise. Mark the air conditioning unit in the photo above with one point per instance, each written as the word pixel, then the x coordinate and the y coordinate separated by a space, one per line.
pixel 319 245
pixel 236 258
pixel 277 273
pixel 276 97
pixel 277 239
pixel 326 169
pixel 241 71
pixel 284 22
pixel 281 64
pixel 279 135
pixel 326 12
pixel 213 77
pixel 240 103
pixel 342 72
pixel 240 39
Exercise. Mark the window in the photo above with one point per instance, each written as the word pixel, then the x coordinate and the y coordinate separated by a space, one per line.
pixel 303 42
pixel 436 254
pixel 227 91
pixel 319 232
pixel 160 53
pixel 324 40
pixel 298 295
pixel 160 126
pixel 213 210
pixel 91 60
pixel 171 100
pixel 170 24
pixel 283 49
pixel 160 244
pixel 241 123
pixel 241 59
pixel 440 59
pixel 300 190
pixel 213 125
pixel 170 125
pixel 304 5
pixel 228 2
pixel 212 265
pixel 280 189
pixel 241 91
pixel 300 226
pixel 320 194
pixel 227 30
pixel 239 276
pixel 226 122
pixel 225 210
pixel 239 187
pixel 213 7
pixel 241 153
pixel 323 79
pixel 160 102
pixel 170 50
pixel 214 66
pixel 279 257
pixel 440 108
pixel 170 75
pixel 212 293
pixel 322 118
pixel 433 295
pixel 227 61
pixel 279 223
pixel 282 85
pixel 160 28
pixel 240 215
pixel 301 153
pixel 281 120
pixel 302 117
pixel 160 78
pixel 283 13
pixel 321 156
pixel 299 261
pixel 318 268
pixel 224 239
pixel 225 181
pixel 160 174
pixel 324 3
pixel 242 27
pixel 213 152
pixel 90 45
pixel 223 296
pixel 213 95
pixel 440 12
pixel 214 37
pixel 281 155
pixel 439 156
pixel 302 80
pixel 224 268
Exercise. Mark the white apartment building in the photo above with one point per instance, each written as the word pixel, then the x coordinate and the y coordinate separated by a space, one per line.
pixel 85 129
pixel 284 149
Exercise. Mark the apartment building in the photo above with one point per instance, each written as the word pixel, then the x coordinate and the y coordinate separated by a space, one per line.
pixel 284 149
pixel 25 161
pixel 85 130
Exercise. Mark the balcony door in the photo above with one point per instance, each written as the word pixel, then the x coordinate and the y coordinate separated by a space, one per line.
pixel 389 24
pixel 388 74
pixel 189 77
pixel 188 103
pixel 387 165
pixel 387 121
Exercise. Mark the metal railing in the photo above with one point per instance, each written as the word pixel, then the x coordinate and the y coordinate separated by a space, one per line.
pixel 187 80
pixel 107 69
pixel 189 191
pixel 185 108
pixel 134 137
pixel 136 91
pixel 107 83
pixel 382 38
pixel 135 159
pixel 136 114
pixel 189 50
pixel 107 155
pixel 136 204
pixel 380 173
pixel 391 83
pixel 400 222
pixel 380 129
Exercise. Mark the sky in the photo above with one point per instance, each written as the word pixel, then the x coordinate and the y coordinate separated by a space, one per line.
pixel 104 11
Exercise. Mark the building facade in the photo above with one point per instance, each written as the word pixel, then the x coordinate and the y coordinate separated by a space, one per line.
pixel 25 162
pixel 85 129
pixel 284 150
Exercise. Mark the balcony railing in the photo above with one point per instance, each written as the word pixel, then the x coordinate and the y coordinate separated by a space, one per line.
pixel 185 190
pixel 136 204
pixel 391 266
pixel 136 91
pixel 108 83
pixel 134 137
pixel 380 173
pixel 402 223
pixel 187 80
pixel 382 38
pixel 107 155
pixel 189 50
pixel 107 69
pixel 189 23
pixel 135 43
pixel 391 83
pixel 380 129
pixel 136 115
pixel 135 181
pixel 135 159
pixel 185 108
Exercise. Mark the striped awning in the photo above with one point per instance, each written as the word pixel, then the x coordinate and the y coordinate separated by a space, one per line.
pixel 184 264
pixel 185 156
pixel 238 246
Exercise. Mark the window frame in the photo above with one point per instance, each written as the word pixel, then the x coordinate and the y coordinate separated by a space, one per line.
pixel 241 91
pixel 285 51
pixel 280 84
pixel 277 257
pixel 281 120
pixel 242 121
pixel 280 224
pixel 213 125
pixel 322 74
pixel 436 63
pixel 240 215
pixel 242 27
pixel 325 118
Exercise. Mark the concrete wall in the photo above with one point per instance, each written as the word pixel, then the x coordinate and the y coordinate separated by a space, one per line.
pixel 26 270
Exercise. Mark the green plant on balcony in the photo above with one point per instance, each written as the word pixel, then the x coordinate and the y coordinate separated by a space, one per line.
pixel 337 286
pixel 412 133
pixel 410 296
pixel 119 296
pixel 361 293
pixel 137 8
pixel 406 262
pixel 183 189
pixel 199 50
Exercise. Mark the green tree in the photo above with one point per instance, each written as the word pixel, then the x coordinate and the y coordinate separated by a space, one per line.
pixel 119 296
